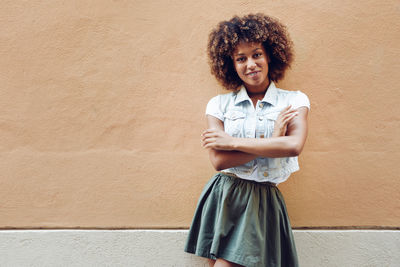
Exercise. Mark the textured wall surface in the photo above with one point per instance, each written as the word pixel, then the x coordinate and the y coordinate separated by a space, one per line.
pixel 102 105
pixel 164 248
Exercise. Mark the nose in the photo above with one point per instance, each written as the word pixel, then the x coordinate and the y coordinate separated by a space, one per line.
pixel 251 64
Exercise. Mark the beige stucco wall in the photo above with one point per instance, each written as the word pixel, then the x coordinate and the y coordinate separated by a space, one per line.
pixel 102 103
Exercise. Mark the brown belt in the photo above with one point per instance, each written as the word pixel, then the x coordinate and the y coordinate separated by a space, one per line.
pixel 235 176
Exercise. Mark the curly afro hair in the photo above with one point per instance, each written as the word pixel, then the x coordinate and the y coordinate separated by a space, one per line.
pixel 256 28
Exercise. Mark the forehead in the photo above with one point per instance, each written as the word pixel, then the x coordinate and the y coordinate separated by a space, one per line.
pixel 247 47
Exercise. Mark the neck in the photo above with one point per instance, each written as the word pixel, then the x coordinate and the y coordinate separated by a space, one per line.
pixel 255 95
pixel 257 91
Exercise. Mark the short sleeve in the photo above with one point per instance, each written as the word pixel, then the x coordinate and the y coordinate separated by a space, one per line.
pixel 301 100
pixel 214 108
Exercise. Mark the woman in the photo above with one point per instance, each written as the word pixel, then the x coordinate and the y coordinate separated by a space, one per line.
pixel 254 136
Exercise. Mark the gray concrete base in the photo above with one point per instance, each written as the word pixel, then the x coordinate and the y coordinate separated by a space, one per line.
pixel 153 248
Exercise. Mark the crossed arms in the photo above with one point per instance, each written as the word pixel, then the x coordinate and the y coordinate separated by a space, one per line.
pixel 288 139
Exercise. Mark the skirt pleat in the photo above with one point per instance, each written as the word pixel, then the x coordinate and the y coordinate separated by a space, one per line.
pixel 244 222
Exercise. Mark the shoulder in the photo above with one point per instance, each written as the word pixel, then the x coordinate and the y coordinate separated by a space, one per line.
pixel 222 100
pixel 295 98
pixel 226 96
pixel 217 105
pixel 289 93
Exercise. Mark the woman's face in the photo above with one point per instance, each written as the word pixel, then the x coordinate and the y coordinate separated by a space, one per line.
pixel 251 64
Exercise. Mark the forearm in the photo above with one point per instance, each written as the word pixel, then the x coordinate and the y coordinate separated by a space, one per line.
pixel 274 147
pixel 225 150
pixel 221 159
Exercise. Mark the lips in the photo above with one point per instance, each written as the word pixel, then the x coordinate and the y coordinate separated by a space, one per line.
pixel 253 73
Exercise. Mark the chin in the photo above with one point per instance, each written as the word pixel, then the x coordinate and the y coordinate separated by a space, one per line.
pixel 255 83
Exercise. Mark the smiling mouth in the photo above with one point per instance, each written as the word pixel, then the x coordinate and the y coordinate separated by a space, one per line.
pixel 252 73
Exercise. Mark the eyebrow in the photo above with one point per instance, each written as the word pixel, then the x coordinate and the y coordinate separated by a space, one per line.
pixel 241 54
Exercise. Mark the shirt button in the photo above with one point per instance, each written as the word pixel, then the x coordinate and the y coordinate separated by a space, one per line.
pixel 261 105
pixel 265 174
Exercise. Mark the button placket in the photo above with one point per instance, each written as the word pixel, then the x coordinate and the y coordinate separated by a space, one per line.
pixel 250 127
pixel 260 118
pixel 260 127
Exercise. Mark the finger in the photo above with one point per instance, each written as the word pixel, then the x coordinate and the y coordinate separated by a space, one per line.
pixel 289 111
pixel 291 115
pixel 207 146
pixel 285 113
pixel 209 140
pixel 206 139
pixel 289 118
pixel 204 133
pixel 209 135
pixel 210 145
pixel 284 118
pixel 209 130
pixel 206 136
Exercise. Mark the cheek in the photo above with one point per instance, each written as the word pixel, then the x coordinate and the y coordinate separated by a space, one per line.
pixel 239 69
pixel 263 61
pixel 264 64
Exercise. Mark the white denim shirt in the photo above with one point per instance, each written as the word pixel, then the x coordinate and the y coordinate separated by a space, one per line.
pixel 242 119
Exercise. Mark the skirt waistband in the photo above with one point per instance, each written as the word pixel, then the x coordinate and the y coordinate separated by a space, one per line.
pixel 237 177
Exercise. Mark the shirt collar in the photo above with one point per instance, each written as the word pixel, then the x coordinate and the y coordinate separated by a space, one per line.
pixel 242 95
pixel 270 96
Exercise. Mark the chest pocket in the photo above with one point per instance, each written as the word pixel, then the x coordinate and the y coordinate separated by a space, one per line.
pixel 234 122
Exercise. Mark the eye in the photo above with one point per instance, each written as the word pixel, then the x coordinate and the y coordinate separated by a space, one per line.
pixel 257 55
pixel 240 59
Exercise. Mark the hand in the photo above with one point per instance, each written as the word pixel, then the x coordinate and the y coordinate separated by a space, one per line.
pixel 284 117
pixel 217 139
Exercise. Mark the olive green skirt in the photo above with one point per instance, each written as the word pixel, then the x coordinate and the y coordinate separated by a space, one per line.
pixel 244 222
